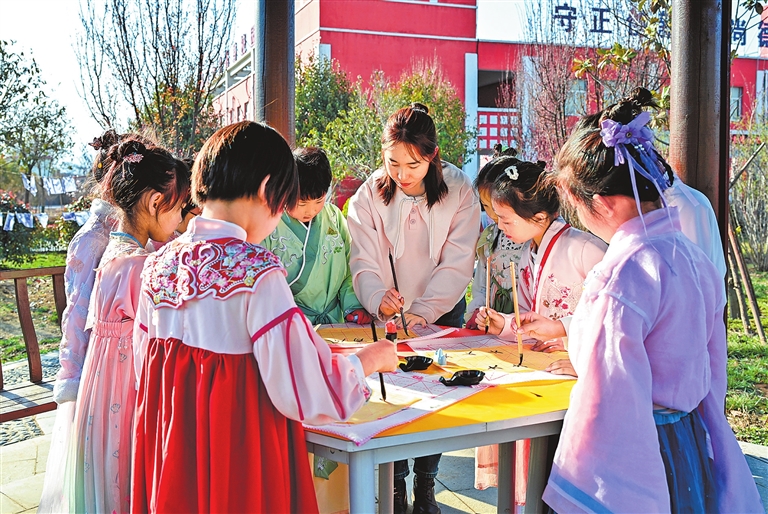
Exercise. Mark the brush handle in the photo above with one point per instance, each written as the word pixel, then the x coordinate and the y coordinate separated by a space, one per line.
pixel 394 279
pixel 517 308
pixel 394 275
pixel 487 289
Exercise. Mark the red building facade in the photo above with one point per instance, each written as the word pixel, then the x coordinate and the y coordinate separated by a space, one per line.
pixel 391 35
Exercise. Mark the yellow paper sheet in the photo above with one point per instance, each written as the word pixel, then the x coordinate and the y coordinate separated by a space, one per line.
pixel 376 408
pixel 500 358
pixel 494 404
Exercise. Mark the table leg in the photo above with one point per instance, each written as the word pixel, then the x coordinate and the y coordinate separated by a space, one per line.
pixel 506 488
pixel 386 486
pixel 362 483
pixel 537 475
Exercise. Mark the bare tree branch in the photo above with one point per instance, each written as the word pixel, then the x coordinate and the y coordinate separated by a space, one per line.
pixel 157 58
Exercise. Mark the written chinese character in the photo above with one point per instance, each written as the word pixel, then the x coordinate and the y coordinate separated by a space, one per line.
pixel 600 20
pixel 739 32
pixel 565 15
pixel 762 35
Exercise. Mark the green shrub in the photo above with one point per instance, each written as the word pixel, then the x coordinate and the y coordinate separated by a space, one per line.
pixel 15 245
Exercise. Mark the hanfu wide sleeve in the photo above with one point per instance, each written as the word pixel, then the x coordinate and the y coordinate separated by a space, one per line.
pixel 83 257
pixel 305 381
pixel 613 399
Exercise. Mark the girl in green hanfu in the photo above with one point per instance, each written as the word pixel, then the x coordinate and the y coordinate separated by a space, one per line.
pixel 312 242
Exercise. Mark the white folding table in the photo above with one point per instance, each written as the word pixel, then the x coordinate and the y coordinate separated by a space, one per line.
pixel 383 451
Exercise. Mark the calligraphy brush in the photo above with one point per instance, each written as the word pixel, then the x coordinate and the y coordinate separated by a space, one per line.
pixel 517 312
pixel 487 291
pixel 381 376
pixel 394 277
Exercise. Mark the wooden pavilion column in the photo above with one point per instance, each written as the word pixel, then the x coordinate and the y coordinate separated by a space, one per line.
pixel 699 99
pixel 274 84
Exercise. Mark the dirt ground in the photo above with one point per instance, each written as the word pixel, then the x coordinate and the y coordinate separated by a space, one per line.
pixel 43 313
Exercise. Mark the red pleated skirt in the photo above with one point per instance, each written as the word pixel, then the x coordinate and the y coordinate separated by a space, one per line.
pixel 208 438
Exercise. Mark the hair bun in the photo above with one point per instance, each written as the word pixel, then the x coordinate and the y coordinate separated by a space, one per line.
pixel 641 97
pixel 105 141
pixel 498 152
pixel 629 107
pixel 509 152
pixel 416 106
pixel 126 148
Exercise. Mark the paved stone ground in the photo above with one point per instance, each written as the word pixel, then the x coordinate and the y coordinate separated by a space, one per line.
pixel 22 469
pixel 13 373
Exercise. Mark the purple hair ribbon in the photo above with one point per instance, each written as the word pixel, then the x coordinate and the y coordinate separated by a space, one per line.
pixel 637 134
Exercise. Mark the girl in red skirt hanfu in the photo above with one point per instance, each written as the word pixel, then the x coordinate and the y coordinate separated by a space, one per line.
pixel 228 366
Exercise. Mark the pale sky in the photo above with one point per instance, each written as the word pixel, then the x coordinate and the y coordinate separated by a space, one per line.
pixel 47 28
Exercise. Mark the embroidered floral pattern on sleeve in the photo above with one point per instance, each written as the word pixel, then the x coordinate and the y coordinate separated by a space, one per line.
pixel 559 300
pixel 221 267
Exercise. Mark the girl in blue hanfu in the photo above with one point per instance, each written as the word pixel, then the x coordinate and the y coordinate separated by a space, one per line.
pixel 645 430
pixel 227 363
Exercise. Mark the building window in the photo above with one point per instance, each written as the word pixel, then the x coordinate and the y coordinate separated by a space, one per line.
pixel 245 111
pixel 576 103
pixel 736 97
pixel 239 113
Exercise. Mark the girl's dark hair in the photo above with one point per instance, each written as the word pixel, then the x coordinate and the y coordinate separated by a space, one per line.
pixel 102 144
pixel 585 166
pixel 314 172
pixel 185 164
pixel 235 161
pixel 523 186
pixel 489 173
pixel 136 168
pixel 414 127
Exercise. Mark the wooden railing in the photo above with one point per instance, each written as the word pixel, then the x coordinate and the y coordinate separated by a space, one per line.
pixel 35 396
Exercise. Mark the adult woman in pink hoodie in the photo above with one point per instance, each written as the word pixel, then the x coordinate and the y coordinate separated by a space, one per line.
pixel 424 213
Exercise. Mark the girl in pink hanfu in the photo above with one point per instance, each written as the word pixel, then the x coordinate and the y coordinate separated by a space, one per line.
pixel 228 365
pixel 83 256
pixel 552 270
pixel 645 430
pixel 147 191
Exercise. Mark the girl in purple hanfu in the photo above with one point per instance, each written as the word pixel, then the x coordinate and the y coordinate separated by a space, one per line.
pixel 645 431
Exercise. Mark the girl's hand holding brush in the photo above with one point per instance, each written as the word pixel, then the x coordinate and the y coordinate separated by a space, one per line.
pixel 491 319
pixel 378 356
